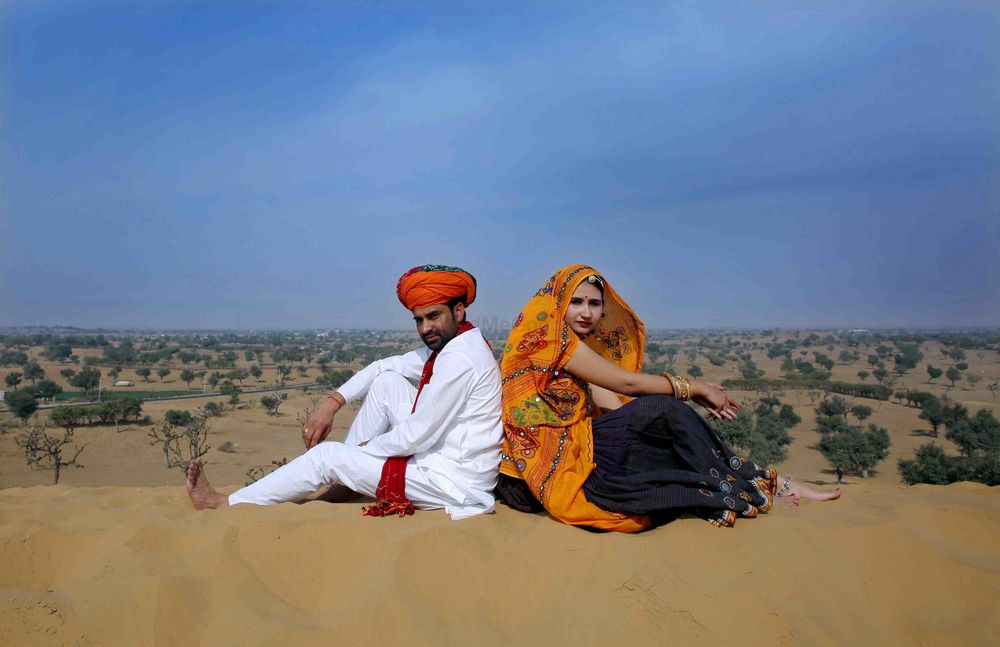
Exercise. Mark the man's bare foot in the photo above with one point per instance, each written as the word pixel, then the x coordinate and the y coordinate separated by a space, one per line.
pixel 203 495
pixel 791 492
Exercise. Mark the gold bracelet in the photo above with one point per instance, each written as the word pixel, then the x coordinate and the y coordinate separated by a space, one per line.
pixel 685 388
pixel 673 384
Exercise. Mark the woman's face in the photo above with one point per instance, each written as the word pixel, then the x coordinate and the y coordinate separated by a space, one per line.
pixel 586 307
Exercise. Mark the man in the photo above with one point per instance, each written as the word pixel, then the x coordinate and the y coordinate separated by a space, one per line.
pixel 436 446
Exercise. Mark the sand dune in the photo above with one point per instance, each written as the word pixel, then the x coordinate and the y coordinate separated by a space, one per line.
pixel 110 565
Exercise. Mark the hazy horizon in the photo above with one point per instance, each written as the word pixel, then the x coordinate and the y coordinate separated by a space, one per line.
pixel 490 325
pixel 262 165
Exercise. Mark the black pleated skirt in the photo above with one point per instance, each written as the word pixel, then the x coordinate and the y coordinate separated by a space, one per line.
pixel 656 456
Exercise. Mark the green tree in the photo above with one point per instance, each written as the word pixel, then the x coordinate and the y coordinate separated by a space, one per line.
pixel 750 371
pixel 88 379
pixel 907 358
pixel 762 434
pixel 13 358
pixel 694 371
pixel 953 374
pixel 163 372
pixel 861 412
pixel 833 407
pixel 13 379
pixel 850 449
pixel 935 412
pixel 824 361
pixel 33 371
pixel 272 402
pixel 58 352
pixel 930 465
pixel 47 389
pixel 256 371
pixel 143 373
pixel 212 409
pixel 187 375
pixel 863 375
pixel 22 404
pixel 177 417
pixel 66 417
pixel 67 374
pixel 933 373
pixel 973 380
pixel 231 390
pixel 976 434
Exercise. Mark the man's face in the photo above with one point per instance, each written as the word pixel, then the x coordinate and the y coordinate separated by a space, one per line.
pixel 438 324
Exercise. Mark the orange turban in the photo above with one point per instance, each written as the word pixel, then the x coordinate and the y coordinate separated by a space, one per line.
pixel 427 285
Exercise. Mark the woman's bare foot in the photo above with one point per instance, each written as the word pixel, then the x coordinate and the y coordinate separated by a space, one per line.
pixel 790 492
pixel 787 499
pixel 203 495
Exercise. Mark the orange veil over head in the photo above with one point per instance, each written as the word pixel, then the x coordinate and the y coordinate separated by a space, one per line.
pixel 547 412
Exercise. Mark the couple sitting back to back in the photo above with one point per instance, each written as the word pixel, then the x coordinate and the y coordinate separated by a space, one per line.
pixel 575 427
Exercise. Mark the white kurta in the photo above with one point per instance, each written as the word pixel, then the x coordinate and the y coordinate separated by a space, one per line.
pixel 453 437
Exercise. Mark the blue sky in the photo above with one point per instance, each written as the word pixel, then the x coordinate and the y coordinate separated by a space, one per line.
pixel 279 164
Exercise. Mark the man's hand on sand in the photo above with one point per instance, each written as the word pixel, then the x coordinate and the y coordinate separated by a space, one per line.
pixel 317 427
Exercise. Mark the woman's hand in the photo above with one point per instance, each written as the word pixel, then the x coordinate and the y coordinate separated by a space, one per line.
pixel 713 397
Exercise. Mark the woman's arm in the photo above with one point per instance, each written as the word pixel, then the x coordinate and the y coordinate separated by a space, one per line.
pixel 606 400
pixel 593 368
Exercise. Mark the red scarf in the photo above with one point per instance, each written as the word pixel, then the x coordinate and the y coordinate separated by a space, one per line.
pixel 390 495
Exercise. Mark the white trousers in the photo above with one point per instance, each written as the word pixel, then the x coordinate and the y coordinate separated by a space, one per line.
pixel 389 400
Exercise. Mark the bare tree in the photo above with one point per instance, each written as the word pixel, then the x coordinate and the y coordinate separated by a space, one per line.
pixel 40 448
pixel 992 387
pixel 181 443
pixel 307 411
pixel 260 471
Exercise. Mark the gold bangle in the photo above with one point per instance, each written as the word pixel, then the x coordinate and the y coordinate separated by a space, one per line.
pixel 673 384
pixel 681 386
pixel 685 388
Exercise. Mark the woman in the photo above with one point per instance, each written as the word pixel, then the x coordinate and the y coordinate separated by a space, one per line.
pixel 576 442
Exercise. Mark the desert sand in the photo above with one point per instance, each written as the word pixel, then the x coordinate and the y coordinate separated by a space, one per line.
pixel 137 566
pixel 116 555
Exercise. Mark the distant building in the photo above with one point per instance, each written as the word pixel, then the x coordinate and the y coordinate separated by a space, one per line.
pixel 3 396
pixel 123 383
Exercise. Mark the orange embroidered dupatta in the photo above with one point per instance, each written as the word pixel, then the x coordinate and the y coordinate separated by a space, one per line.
pixel 547 412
